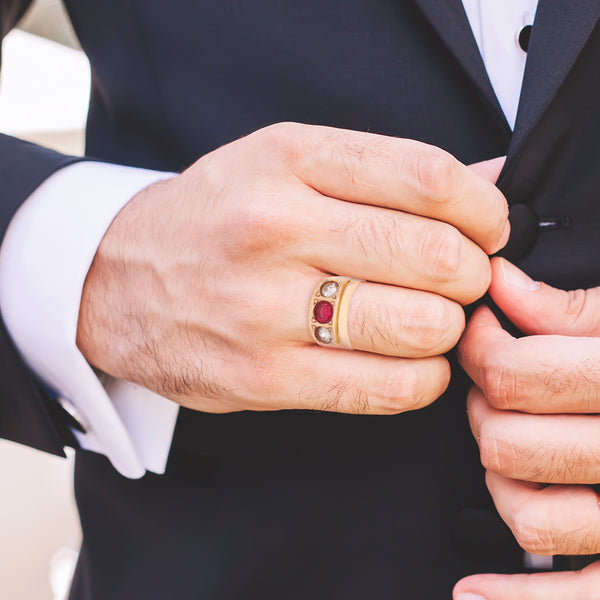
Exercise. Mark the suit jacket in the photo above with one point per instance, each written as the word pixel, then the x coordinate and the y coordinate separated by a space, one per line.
pixel 299 504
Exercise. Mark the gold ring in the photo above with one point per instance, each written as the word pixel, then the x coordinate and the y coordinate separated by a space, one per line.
pixel 328 311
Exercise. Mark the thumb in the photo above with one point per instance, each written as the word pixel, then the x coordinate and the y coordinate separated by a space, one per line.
pixel 540 586
pixel 489 169
pixel 537 308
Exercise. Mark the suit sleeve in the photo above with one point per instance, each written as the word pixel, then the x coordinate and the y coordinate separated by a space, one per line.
pixel 28 413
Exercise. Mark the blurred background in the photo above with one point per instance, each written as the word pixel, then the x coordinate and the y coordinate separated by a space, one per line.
pixel 44 91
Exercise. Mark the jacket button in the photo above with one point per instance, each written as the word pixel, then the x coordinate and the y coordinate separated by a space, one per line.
pixel 524 227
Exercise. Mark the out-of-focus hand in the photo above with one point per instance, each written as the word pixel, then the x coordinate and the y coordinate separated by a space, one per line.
pixel 570 585
pixel 534 411
pixel 201 287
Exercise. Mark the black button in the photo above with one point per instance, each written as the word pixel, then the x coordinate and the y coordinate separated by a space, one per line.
pixel 524 37
pixel 524 227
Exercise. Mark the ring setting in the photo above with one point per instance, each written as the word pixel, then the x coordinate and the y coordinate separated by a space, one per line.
pixel 328 312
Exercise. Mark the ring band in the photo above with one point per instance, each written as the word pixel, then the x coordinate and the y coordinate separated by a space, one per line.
pixel 328 311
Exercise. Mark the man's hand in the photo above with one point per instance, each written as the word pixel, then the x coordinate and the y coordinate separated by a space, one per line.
pixel 580 585
pixel 533 411
pixel 200 289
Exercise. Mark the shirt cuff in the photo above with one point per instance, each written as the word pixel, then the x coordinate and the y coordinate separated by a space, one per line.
pixel 44 260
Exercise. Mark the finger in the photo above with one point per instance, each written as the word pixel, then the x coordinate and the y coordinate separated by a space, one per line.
pixel 403 322
pixel 325 379
pixel 557 519
pixel 381 319
pixel 538 448
pixel 389 320
pixel 569 585
pixel 537 308
pixel 536 374
pixel 388 246
pixel 489 169
pixel 405 175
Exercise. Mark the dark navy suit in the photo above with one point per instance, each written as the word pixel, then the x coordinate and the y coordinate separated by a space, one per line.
pixel 301 505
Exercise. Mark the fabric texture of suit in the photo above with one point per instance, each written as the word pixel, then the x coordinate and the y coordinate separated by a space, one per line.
pixel 300 504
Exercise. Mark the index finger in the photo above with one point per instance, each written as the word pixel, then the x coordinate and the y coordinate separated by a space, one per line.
pixel 405 175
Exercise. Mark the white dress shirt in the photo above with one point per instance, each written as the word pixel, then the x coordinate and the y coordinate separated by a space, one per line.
pixel 52 239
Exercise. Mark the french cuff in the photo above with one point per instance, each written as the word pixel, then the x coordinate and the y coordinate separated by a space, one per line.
pixel 44 260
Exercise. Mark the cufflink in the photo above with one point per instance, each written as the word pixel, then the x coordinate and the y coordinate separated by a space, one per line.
pixel 75 419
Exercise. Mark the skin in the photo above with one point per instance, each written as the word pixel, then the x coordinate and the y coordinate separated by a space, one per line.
pixel 534 412
pixel 200 287
pixel 199 290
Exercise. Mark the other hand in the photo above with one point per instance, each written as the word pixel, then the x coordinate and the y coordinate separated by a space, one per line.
pixel 200 288
pixel 574 585
pixel 534 410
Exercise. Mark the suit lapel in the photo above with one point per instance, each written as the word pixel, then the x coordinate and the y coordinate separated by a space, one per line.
pixel 560 31
pixel 450 21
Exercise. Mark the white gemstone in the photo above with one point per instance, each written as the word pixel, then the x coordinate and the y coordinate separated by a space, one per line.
pixel 324 335
pixel 329 289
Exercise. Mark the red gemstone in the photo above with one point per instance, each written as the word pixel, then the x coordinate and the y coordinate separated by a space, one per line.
pixel 323 312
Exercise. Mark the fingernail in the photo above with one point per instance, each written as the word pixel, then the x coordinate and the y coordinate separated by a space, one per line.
pixel 516 278
pixel 469 596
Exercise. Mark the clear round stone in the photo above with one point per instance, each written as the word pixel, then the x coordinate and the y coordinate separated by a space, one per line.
pixel 323 335
pixel 329 289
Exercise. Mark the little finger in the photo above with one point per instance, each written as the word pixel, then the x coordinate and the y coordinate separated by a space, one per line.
pixel 557 519
pixel 316 378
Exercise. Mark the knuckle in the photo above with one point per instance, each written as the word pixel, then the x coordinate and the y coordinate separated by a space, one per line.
pixel 436 175
pixel 496 455
pixel 531 530
pixel 500 384
pixel 251 226
pixel 395 393
pixel 280 139
pixel 440 250
pixel 578 308
pixel 533 539
pixel 575 302
pixel 434 329
pixel 260 226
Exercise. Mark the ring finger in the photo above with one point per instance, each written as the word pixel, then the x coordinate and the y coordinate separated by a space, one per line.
pixel 538 448
pixel 394 321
